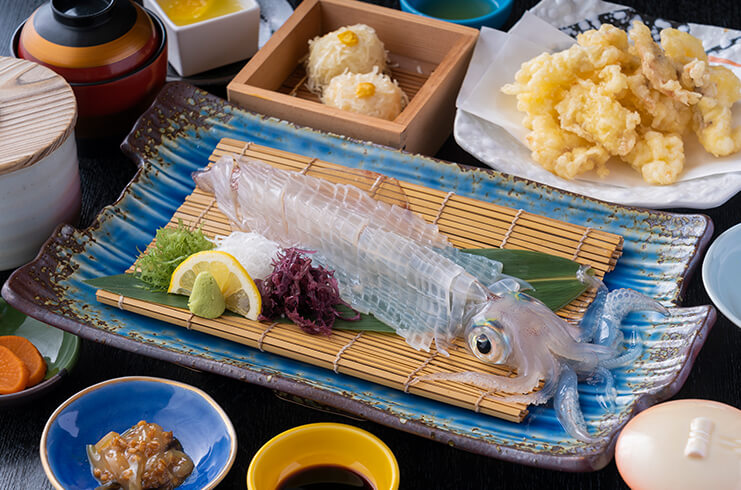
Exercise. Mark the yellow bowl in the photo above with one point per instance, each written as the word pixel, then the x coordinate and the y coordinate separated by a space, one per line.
pixel 323 444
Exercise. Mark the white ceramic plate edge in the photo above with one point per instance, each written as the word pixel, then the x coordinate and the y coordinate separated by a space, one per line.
pixel 708 264
pixel 494 147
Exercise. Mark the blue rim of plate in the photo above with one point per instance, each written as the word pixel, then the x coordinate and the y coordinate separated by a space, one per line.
pixel 220 411
pixel 710 258
pixel 176 136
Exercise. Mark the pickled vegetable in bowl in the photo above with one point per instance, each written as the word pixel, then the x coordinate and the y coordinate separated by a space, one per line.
pixel 201 427
pixel 144 456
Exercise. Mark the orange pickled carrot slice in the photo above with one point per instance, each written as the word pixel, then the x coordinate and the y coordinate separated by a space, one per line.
pixel 29 354
pixel 13 373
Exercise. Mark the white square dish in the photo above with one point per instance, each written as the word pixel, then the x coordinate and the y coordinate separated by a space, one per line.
pixel 210 43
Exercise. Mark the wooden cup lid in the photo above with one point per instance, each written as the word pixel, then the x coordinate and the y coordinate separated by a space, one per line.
pixel 38 112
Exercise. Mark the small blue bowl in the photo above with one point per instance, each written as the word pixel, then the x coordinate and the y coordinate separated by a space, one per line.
pixel 196 420
pixel 471 13
pixel 720 272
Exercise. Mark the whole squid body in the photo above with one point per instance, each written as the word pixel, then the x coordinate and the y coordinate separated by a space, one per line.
pixel 390 262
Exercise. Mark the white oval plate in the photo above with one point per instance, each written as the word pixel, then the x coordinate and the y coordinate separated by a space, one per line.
pixel 495 147
pixel 720 272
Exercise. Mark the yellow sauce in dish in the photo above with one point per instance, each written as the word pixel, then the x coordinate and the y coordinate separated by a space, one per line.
pixel 184 12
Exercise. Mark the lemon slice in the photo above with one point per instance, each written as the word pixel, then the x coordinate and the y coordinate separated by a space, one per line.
pixel 240 292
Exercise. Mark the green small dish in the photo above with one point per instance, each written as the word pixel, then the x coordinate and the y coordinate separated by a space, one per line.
pixel 58 348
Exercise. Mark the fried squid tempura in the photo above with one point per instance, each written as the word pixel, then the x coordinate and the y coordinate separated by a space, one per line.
pixel 621 94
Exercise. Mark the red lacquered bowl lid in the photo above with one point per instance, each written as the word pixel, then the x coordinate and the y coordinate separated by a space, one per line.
pixel 89 40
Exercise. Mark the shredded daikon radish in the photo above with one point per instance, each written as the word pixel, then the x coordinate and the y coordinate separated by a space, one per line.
pixel 373 94
pixel 356 49
pixel 252 250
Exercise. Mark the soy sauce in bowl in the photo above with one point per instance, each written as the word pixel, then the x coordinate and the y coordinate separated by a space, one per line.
pixel 325 477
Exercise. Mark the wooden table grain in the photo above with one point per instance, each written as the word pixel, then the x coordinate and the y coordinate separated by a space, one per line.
pixel 258 414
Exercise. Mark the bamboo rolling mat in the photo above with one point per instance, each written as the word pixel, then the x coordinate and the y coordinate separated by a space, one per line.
pixel 384 358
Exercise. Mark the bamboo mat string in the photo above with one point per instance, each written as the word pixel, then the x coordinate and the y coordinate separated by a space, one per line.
pixel 262 336
pixel 336 363
pixel 203 213
pixel 414 373
pixel 584 236
pixel 511 228
pixel 120 301
pixel 376 185
pixel 477 405
pixel 308 166
pixel 442 206
pixel 246 147
pixel 188 324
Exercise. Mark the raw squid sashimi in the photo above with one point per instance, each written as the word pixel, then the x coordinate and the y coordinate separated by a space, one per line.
pixel 386 259
pixel 280 192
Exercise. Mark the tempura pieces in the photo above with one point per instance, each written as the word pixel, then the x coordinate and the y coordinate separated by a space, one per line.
pixel 606 96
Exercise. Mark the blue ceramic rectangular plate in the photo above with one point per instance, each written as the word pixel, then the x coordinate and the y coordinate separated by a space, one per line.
pixel 176 136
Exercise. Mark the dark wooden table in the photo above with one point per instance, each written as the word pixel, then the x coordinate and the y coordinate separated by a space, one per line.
pixel 258 414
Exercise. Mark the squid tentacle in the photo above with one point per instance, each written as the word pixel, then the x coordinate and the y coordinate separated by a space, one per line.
pixel 568 411
pixel 522 383
pixel 609 394
pixel 591 319
pixel 633 351
pixel 618 304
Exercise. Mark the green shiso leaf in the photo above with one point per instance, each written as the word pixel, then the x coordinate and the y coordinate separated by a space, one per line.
pixel 554 278
pixel 172 246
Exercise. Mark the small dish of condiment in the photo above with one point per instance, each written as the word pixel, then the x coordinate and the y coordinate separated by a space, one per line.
pixel 322 456
pixel 137 433
pixel 206 34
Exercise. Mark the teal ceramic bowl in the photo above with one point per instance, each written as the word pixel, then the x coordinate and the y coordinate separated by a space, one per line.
pixel 196 420
pixel 471 13
pixel 720 272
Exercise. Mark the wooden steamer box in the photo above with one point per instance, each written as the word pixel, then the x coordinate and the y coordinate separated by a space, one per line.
pixel 427 57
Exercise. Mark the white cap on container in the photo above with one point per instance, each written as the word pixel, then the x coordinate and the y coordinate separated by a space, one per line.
pixel 682 445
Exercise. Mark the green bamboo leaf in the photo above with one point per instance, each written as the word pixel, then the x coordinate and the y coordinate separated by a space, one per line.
pixel 129 286
pixel 554 278
pixel 367 323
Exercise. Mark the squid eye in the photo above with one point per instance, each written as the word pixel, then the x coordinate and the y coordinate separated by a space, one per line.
pixel 488 342
pixel 483 344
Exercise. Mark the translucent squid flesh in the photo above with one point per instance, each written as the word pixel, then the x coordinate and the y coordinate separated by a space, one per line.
pixel 391 263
